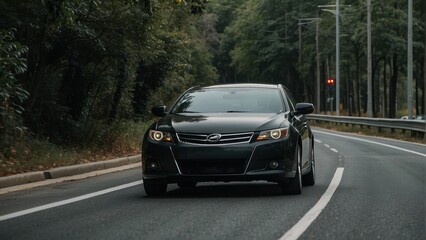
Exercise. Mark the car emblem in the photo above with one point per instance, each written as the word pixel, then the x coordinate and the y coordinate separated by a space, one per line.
pixel 215 137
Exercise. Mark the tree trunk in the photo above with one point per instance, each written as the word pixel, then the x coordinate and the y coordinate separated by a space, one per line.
pixel 348 90
pixel 39 72
pixel 376 88
pixel 358 97
pixel 323 88
pixel 150 76
pixel 373 89
pixel 121 79
pixel 424 63
pixel 392 87
pixel 385 95
pixel 417 96
pixel 72 92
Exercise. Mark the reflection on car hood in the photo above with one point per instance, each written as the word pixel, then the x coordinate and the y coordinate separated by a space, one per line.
pixel 220 122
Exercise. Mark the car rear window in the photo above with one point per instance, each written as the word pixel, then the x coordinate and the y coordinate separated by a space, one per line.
pixel 260 100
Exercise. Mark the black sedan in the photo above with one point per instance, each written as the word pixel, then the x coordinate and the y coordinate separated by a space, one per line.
pixel 238 132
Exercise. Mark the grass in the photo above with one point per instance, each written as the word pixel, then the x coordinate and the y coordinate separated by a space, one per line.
pixel 118 140
pixel 373 131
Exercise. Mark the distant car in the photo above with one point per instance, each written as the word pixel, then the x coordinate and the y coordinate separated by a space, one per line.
pixel 238 132
pixel 418 117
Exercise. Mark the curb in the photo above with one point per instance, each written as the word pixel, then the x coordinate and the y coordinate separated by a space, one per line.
pixel 59 172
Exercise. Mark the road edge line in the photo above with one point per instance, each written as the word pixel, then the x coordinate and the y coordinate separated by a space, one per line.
pixel 300 227
pixel 67 201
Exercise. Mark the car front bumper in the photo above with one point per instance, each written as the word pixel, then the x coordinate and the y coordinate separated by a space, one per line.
pixel 176 162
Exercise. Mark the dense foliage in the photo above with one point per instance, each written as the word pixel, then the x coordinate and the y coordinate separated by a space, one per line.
pixel 73 70
pixel 12 94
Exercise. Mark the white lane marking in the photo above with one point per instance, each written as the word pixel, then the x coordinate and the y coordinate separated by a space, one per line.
pixel 297 230
pixel 318 141
pixel 377 143
pixel 326 145
pixel 334 150
pixel 67 201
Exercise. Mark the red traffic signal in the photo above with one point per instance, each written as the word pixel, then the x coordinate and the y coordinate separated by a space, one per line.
pixel 330 81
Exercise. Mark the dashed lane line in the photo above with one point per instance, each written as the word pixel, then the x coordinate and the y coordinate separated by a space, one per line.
pixel 373 142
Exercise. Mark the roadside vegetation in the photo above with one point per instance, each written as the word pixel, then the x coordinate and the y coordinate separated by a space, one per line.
pixel 78 77
pixel 38 153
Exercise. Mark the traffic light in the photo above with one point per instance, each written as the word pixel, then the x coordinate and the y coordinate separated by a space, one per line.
pixel 330 81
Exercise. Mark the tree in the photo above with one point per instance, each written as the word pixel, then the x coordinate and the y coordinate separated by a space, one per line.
pixel 226 11
pixel 260 42
pixel 12 94
pixel 93 63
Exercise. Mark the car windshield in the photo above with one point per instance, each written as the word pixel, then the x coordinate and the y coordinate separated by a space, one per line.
pixel 232 100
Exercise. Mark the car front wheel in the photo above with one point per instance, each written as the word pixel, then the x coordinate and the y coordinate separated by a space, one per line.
pixel 293 186
pixel 309 178
pixel 155 187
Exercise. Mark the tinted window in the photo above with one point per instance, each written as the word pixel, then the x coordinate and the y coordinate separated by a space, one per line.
pixel 262 100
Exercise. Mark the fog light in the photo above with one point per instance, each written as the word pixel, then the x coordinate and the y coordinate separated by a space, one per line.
pixel 273 164
pixel 153 165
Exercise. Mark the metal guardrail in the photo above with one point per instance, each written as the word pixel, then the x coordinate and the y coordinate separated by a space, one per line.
pixel 416 126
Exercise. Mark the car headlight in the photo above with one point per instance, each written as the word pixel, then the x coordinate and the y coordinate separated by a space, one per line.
pixel 160 136
pixel 273 134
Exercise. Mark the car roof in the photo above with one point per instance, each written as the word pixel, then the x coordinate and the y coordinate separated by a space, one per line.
pixel 239 85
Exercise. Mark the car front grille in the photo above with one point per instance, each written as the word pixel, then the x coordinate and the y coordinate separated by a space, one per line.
pixel 217 166
pixel 215 139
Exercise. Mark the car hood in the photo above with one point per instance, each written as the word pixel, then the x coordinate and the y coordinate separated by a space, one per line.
pixel 220 122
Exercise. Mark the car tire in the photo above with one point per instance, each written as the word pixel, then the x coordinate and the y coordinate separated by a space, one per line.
pixel 187 184
pixel 155 187
pixel 293 186
pixel 309 178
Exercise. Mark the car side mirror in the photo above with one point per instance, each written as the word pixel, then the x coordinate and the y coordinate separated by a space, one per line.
pixel 304 108
pixel 159 111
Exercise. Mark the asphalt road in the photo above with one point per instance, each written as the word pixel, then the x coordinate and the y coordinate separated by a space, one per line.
pixel 381 195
